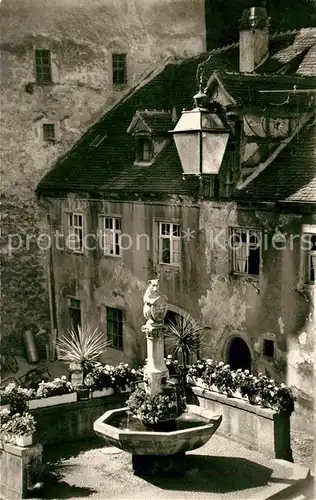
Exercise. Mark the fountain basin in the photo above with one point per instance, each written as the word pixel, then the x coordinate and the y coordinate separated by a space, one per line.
pixel 196 427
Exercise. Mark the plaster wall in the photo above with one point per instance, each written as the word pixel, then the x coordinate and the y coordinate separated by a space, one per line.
pixel 273 306
pixel 81 35
pixel 106 281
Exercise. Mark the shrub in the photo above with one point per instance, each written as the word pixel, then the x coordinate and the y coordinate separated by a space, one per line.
pixel 100 377
pixel 16 396
pixel 19 425
pixel 265 391
pixel 81 348
pixel 172 365
pixel 56 387
pixel 154 409
pixel 123 376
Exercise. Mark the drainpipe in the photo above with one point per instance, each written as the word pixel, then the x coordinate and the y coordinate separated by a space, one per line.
pixel 51 284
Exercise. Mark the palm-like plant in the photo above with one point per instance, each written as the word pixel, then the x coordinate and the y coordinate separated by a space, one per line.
pixel 186 334
pixel 81 347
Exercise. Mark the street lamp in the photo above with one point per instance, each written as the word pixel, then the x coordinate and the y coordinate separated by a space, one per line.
pixel 201 138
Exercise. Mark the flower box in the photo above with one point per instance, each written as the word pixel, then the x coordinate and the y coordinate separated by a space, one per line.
pixel 107 391
pixel 23 440
pixel 52 400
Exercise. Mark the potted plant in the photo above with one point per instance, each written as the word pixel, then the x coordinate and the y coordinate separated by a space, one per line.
pixel 15 397
pixel 186 334
pixel 19 429
pixel 81 349
pixel 100 380
pixel 123 377
pixel 55 392
pixel 155 411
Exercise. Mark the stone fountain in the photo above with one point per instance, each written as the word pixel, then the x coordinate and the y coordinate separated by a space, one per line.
pixel 160 450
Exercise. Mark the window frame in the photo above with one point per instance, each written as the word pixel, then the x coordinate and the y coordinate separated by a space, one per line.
pixel 72 307
pixel 113 232
pixel 172 238
pixel 266 356
pixel 43 77
pixel 119 67
pixel 308 254
pixel 234 261
pixel 115 339
pixel 75 227
pixel 47 137
pixel 141 141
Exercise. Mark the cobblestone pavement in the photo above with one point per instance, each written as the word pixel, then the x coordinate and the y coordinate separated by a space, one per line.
pixel 219 470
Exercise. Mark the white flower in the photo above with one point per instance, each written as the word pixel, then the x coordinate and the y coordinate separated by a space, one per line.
pixel 246 372
pixel 220 364
pixel 169 356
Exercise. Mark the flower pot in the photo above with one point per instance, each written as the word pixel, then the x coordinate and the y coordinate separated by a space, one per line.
pixel 76 378
pixel 52 401
pixel 23 441
pixel 107 391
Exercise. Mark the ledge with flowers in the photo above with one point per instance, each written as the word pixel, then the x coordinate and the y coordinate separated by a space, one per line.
pixel 256 409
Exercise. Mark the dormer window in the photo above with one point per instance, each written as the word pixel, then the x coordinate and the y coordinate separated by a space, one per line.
pixel 144 149
pixel 151 131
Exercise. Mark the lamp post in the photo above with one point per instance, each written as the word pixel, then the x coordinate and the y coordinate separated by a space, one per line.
pixel 201 137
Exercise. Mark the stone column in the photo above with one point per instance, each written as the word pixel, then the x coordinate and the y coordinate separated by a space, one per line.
pixel 156 372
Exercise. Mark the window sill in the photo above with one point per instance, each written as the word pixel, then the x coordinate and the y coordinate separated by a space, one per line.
pixel 168 267
pixel 73 252
pixel 120 86
pixel 143 163
pixel 110 256
pixel 248 277
pixel 116 348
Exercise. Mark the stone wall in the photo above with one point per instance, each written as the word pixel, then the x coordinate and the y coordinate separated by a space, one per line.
pixel 254 427
pixel 72 421
pixel 81 36
pixel 19 467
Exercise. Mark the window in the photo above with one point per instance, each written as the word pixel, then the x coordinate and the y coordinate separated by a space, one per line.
pixel 75 232
pixel 144 149
pixel 169 243
pixel 311 260
pixel 43 70
pixel 115 327
pixel 119 68
pixel 49 131
pixel 245 247
pixel 110 235
pixel 74 308
pixel 268 348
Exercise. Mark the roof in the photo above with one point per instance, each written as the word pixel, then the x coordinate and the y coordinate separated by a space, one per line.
pixel 291 176
pixel 266 91
pixel 154 121
pixel 95 168
pixel 103 160
pixel 298 56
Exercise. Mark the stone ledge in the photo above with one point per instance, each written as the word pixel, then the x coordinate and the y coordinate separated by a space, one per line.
pixel 234 402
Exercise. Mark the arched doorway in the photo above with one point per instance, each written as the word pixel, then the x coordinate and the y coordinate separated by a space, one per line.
pixel 239 355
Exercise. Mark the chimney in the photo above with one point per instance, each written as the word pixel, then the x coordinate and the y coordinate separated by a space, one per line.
pixel 253 38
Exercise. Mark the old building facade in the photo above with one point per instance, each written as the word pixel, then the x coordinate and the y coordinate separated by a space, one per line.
pixel 63 64
pixel 234 245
